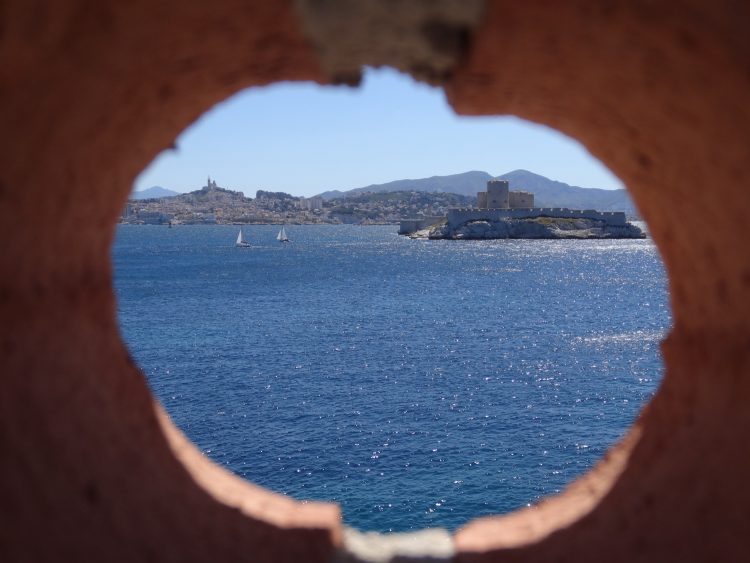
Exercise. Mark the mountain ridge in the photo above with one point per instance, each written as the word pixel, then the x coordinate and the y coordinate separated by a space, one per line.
pixel 154 192
pixel 547 192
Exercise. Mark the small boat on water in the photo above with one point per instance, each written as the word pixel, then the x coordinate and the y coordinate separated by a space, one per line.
pixel 281 237
pixel 241 242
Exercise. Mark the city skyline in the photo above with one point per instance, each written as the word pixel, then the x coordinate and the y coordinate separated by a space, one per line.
pixel 304 139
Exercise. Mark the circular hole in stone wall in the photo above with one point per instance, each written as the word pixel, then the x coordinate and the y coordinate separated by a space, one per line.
pixel 417 383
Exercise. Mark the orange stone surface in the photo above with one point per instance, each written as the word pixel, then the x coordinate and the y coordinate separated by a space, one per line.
pixel 92 470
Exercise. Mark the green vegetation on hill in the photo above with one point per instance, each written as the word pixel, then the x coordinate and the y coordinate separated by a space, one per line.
pixel 273 195
pixel 390 207
pixel 218 205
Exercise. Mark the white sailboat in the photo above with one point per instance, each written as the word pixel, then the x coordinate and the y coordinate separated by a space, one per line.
pixel 241 242
pixel 281 237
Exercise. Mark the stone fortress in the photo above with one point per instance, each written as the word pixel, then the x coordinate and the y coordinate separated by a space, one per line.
pixel 499 196
pixel 498 202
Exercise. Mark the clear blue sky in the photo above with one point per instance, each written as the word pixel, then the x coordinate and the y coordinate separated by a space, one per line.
pixel 304 139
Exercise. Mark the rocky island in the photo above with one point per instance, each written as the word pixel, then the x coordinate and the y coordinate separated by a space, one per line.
pixel 537 227
pixel 502 214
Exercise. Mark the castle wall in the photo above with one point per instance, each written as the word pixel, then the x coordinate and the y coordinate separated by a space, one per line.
pixel 482 200
pixel 520 199
pixel 459 216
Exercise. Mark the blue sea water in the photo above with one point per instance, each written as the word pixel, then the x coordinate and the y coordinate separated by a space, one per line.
pixel 416 383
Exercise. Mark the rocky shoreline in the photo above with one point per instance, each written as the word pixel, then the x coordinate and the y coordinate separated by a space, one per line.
pixel 531 228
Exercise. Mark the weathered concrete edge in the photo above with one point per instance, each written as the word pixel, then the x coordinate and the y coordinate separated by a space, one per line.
pixel 425 38
pixel 431 545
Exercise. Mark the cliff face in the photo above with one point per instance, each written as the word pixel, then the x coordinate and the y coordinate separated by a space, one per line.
pixel 531 228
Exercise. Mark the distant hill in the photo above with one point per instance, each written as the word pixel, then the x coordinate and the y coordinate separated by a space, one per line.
pixel 548 193
pixel 551 193
pixel 467 183
pixel 390 207
pixel 153 192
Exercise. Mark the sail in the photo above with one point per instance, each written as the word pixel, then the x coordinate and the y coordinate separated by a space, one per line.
pixel 282 235
pixel 239 238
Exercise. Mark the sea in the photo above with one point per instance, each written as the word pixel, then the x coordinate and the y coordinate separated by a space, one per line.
pixel 415 383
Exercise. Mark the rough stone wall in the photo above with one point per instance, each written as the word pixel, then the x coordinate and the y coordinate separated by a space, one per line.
pixel 520 199
pixel 497 194
pixel 91 92
pixel 458 216
pixel 654 91
pixel 407 226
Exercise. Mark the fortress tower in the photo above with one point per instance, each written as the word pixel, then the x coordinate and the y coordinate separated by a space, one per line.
pixel 499 196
